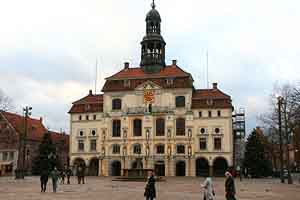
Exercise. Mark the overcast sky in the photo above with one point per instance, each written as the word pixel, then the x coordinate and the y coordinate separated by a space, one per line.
pixel 48 48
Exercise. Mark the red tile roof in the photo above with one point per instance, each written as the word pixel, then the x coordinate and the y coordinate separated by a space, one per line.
pixel 35 129
pixel 88 104
pixel 209 93
pixel 210 98
pixel 138 73
pixel 60 137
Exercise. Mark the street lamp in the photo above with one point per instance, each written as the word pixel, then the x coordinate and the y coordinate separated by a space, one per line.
pixel 280 101
pixel 20 172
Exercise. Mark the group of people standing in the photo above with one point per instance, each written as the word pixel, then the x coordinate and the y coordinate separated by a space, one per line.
pixel 56 175
pixel 209 191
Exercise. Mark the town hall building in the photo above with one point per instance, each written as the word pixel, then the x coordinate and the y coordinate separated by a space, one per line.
pixel 152 112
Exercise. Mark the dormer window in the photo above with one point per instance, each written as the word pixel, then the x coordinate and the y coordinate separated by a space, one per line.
pixel 87 117
pixel 169 81
pixel 80 117
pixel 219 113
pixel 87 107
pixel 126 83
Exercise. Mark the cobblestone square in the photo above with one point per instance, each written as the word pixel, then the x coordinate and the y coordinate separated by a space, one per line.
pixel 185 188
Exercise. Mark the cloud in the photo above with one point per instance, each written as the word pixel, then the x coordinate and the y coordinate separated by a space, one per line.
pixel 48 49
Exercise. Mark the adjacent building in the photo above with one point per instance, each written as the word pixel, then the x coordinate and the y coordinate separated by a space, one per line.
pixel 153 112
pixel 11 127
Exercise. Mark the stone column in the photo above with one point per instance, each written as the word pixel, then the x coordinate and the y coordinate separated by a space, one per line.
pixel 193 167
pixel 100 168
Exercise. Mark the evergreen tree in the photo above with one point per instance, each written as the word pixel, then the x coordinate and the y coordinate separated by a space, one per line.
pixel 47 158
pixel 255 160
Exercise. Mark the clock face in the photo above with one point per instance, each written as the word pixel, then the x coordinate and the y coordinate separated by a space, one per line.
pixel 149 96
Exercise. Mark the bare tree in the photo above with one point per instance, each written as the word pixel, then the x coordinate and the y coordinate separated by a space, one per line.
pixel 6 103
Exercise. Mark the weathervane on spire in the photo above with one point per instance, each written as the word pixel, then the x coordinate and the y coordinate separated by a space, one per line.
pixel 153 4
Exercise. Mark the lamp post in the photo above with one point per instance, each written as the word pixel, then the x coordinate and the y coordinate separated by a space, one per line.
pixel 280 100
pixel 20 171
pixel 190 148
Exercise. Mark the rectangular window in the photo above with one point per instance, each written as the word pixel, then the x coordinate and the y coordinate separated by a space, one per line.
pixel 116 149
pixel 217 143
pixel 116 128
pixel 209 113
pixel 180 126
pixel 80 145
pixel 219 113
pixel 160 149
pixel 203 145
pixel 180 101
pixel 11 155
pixel 5 155
pixel 116 104
pixel 137 127
pixel 87 117
pixel 94 117
pixel 160 127
pixel 180 149
pixel 93 145
pixel 200 114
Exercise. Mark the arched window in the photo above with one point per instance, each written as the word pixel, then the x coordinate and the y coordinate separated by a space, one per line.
pixel 116 104
pixel 160 149
pixel 116 149
pixel 137 149
pixel 160 127
pixel 180 149
pixel 180 126
pixel 116 132
pixel 180 101
pixel 137 127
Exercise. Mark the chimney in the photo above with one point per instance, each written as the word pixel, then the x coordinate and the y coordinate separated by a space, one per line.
pixel 41 119
pixel 126 65
pixel 174 62
pixel 215 85
pixel 90 92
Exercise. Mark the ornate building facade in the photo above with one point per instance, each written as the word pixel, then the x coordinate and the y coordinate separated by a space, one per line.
pixel 152 112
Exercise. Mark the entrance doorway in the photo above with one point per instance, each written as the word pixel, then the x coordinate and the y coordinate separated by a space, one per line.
pixel 159 168
pixel 180 168
pixel 202 167
pixel 220 166
pixel 116 168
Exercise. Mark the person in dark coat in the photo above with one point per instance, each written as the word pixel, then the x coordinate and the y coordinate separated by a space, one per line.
pixel 69 174
pixel 150 192
pixel 80 175
pixel 229 187
pixel 44 180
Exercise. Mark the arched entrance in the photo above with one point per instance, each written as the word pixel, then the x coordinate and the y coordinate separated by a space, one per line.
pixel 116 168
pixel 220 166
pixel 78 162
pixel 94 167
pixel 202 167
pixel 135 165
pixel 180 168
pixel 159 168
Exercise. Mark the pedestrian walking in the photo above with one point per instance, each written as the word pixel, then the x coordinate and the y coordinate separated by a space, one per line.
pixel 229 187
pixel 62 175
pixel 80 175
pixel 150 192
pixel 55 177
pixel 209 191
pixel 44 180
pixel 69 174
